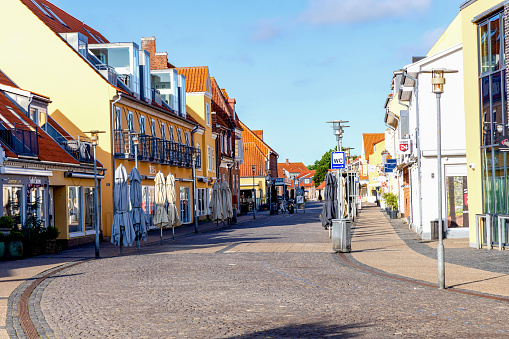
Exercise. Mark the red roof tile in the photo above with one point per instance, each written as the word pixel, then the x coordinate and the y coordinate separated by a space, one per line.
pixel 253 156
pixel 249 136
pixel 292 167
pixel 5 80
pixel 73 24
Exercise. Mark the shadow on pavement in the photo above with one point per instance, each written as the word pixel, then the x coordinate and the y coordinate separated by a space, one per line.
pixel 311 330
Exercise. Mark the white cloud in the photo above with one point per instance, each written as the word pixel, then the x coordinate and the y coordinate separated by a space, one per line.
pixel 322 12
pixel 266 30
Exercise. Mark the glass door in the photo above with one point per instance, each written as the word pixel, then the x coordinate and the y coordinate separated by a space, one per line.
pixel 185 208
pixel 457 201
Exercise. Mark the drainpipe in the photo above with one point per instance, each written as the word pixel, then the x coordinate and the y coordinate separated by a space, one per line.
pixel 113 143
pixel 418 141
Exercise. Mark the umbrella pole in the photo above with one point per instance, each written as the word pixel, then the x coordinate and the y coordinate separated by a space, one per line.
pixel 173 232
pixel 138 243
pixel 161 235
pixel 121 240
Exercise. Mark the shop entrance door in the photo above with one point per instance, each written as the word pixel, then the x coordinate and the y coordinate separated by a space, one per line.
pixel 457 201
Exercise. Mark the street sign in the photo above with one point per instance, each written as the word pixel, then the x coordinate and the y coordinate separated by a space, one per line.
pixel 337 160
pixel 299 192
pixel 404 147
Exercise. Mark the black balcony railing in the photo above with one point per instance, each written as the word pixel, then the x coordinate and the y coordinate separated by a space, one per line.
pixel 20 139
pixel 153 149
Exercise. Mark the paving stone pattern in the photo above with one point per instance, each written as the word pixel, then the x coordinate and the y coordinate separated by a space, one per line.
pixel 177 291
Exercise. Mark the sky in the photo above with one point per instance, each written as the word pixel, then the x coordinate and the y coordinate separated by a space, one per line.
pixel 291 65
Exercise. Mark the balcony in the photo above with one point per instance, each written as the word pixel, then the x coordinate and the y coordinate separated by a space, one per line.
pixel 154 150
pixel 20 139
pixel 80 148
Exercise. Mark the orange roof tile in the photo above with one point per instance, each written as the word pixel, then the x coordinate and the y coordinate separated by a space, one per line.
pixel 292 167
pixel 253 156
pixel 369 140
pixel 197 78
pixel 249 136
pixel 73 24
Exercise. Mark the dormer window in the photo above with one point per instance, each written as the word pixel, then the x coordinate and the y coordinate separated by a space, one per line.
pixel 41 9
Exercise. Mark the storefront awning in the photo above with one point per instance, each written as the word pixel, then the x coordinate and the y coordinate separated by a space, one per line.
pixel 82 175
pixel 26 171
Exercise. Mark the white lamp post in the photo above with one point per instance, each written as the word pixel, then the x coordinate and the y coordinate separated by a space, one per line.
pixel 254 192
pixel 95 141
pixel 438 82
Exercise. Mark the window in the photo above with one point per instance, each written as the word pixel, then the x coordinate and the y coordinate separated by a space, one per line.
pixel 12 200
pixel 209 157
pixel 172 134
pixel 185 208
pixel 142 125
pixel 130 121
pixel 207 112
pixel 213 160
pixel 55 16
pixel 203 201
pixel 148 203
pixel 41 9
pixel 163 131
pixel 153 128
pixel 179 135
pixel 34 115
pixel 198 156
pixel 89 210
pixel 74 209
pixel 118 119
pixel 187 138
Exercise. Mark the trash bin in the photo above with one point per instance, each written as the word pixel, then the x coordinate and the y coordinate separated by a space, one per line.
pixel 341 235
pixel 434 229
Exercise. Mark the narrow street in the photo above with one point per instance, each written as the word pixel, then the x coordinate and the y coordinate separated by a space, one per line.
pixel 271 277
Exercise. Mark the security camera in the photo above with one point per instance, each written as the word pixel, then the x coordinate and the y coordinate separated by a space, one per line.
pixel 472 166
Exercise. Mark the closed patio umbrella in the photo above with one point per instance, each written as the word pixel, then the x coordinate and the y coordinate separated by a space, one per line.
pixel 330 208
pixel 171 195
pixel 122 232
pixel 137 214
pixel 161 216
pixel 215 204
pixel 226 200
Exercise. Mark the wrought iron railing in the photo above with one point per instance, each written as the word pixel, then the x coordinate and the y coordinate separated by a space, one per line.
pixel 156 150
pixel 20 139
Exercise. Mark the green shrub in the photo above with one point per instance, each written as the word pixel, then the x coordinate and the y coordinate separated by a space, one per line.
pixel 6 222
pixel 2 237
pixel 51 232
pixel 15 236
pixel 391 200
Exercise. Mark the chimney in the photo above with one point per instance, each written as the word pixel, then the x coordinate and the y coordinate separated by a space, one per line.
pixel 157 60
pixel 149 45
pixel 287 162
pixel 231 103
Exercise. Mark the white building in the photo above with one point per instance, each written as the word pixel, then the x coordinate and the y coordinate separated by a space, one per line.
pixel 416 102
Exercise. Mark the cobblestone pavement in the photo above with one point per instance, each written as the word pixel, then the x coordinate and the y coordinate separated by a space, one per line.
pixel 272 277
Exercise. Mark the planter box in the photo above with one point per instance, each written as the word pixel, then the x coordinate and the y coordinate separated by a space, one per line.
pixel 50 246
pixel 15 249
pixel 393 214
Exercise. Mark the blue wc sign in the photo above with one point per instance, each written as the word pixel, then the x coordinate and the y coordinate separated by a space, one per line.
pixel 337 160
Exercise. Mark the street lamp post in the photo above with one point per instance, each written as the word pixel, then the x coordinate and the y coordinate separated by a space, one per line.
pixel 438 81
pixel 95 141
pixel 254 192
pixel 195 195
pixel 136 141
pixel 338 132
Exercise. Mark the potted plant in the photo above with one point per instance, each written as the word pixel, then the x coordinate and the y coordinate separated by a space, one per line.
pixel 15 244
pixel 50 245
pixel 33 231
pixel 2 244
pixel 391 200
pixel 6 222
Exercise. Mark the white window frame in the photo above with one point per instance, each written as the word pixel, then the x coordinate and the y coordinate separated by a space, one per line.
pixel 153 128
pixel 201 155
pixel 186 135
pixel 207 113
pixel 163 131
pixel 172 133
pixel 118 119
pixel 213 160
pixel 209 157
pixel 179 136
pixel 143 125
pixel 130 121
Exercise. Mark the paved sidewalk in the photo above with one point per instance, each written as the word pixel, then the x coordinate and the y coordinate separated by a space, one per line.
pixel 23 272
pixel 395 249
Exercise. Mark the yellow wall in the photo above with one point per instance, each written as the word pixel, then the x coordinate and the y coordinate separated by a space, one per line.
pixel 375 159
pixel 259 185
pixel 472 126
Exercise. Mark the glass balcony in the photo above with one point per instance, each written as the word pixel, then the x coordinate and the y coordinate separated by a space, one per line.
pixel 20 139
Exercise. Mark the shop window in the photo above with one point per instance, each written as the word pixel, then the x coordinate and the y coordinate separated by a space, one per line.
pixel 148 203
pixel 12 203
pixel 185 208
pixel 89 210
pixel 37 201
pixel 74 211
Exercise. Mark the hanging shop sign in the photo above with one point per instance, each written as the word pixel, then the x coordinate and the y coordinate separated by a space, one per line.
pixel 404 146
